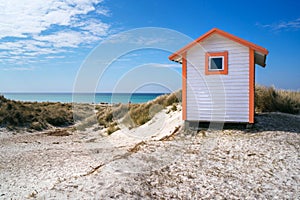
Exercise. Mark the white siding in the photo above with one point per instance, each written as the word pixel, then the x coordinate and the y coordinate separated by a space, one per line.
pixel 218 97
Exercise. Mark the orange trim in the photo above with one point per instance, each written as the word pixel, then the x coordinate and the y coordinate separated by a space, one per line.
pixel 251 85
pixel 184 63
pixel 209 54
pixel 222 33
pixel 190 45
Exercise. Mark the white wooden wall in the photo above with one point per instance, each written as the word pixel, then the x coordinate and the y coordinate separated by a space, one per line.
pixel 218 97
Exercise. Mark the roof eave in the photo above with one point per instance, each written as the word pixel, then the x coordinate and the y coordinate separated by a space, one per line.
pixel 190 45
pixel 223 33
pixel 260 59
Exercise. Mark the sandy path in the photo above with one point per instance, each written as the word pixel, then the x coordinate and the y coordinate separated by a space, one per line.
pixel 263 163
pixel 31 165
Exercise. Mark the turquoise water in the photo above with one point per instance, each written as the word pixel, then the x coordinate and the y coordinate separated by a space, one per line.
pixel 83 98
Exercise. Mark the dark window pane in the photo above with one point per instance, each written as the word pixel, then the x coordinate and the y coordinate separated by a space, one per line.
pixel 216 63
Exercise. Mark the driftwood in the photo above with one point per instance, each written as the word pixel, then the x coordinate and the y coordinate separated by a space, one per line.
pixel 136 147
pixel 168 137
pixel 93 170
pixel 58 132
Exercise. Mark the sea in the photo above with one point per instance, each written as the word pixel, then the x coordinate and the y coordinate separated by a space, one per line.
pixel 83 97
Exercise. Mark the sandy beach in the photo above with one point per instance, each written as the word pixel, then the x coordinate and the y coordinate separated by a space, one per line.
pixel 96 97
pixel 145 163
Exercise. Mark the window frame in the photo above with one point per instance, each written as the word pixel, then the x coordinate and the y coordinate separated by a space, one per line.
pixel 223 55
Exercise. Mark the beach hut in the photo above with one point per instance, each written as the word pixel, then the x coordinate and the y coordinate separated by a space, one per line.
pixel 218 77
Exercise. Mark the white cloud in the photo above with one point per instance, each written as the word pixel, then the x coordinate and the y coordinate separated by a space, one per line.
pixel 165 65
pixel 50 57
pixel 22 17
pixel 62 39
pixel 19 69
pixel 128 38
pixel 41 27
pixel 104 12
pixel 25 51
pixel 283 25
pixel 96 28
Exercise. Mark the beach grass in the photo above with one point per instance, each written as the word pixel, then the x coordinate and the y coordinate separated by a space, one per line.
pixel 33 115
pixel 270 99
pixel 134 115
pixel 40 116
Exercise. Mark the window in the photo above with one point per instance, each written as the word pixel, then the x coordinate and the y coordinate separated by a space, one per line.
pixel 216 63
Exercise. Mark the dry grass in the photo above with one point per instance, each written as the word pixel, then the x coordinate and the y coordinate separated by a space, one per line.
pixel 139 114
pixel 269 99
pixel 33 115
pixel 134 115
pixel 112 128
pixel 108 115
pixel 82 111
pixel 39 116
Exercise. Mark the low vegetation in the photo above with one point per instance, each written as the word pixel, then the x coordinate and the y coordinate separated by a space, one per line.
pixel 269 99
pixel 134 115
pixel 33 115
pixel 39 116
pixel 112 128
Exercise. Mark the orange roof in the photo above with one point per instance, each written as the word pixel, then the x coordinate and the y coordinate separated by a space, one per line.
pixel 224 34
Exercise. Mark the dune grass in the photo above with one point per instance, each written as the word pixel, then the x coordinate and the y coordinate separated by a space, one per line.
pixel 39 116
pixel 269 99
pixel 134 115
pixel 139 114
pixel 33 115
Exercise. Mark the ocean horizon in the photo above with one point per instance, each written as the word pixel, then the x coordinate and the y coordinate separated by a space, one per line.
pixel 69 97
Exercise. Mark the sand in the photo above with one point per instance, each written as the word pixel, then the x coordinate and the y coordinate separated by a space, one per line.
pixel 144 163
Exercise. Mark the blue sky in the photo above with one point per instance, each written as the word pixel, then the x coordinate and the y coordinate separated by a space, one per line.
pixel 43 44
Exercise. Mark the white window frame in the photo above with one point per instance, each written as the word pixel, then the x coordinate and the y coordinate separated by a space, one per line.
pixel 209 62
